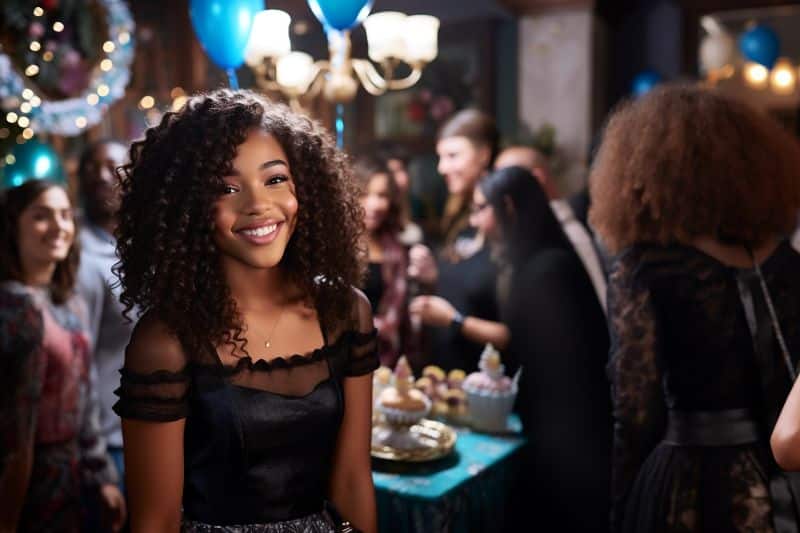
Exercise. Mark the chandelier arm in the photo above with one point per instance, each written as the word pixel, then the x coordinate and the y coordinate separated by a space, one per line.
pixel 369 77
pixel 318 81
pixel 408 81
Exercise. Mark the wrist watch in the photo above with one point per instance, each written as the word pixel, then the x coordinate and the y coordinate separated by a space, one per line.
pixel 457 323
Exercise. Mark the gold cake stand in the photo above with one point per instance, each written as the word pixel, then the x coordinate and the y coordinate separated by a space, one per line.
pixel 432 440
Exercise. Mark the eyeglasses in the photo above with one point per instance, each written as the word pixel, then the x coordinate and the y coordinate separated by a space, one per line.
pixel 477 208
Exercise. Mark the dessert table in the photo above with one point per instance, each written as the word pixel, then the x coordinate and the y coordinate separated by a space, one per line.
pixel 466 491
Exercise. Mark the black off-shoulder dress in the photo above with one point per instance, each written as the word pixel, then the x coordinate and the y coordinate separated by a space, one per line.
pixel 260 435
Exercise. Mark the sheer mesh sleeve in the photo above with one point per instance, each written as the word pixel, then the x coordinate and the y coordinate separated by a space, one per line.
pixel 363 349
pixel 21 370
pixel 638 403
pixel 155 380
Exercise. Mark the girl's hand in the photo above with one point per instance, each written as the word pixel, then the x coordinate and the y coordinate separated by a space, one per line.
pixel 114 512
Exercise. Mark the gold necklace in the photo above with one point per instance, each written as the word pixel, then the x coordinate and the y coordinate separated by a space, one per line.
pixel 268 342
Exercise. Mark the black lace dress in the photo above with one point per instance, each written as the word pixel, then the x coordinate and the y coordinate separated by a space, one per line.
pixel 682 350
pixel 259 436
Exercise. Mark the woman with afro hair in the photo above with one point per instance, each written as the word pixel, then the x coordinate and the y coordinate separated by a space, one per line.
pixel 696 195
pixel 246 390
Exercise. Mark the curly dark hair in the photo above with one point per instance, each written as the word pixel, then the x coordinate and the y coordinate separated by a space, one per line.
pixel 364 168
pixel 685 161
pixel 169 264
pixel 13 202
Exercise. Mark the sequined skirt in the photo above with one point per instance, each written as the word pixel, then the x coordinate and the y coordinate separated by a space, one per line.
pixel 315 523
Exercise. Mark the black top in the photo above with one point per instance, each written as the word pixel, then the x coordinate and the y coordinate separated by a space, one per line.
pixel 260 436
pixel 373 286
pixel 680 341
pixel 559 337
pixel 470 285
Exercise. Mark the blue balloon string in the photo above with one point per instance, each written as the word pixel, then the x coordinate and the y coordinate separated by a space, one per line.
pixel 233 81
pixel 340 125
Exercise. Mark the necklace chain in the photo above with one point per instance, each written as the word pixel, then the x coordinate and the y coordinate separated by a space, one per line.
pixel 268 342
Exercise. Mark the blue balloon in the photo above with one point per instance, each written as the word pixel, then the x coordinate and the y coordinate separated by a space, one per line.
pixel 223 28
pixel 32 160
pixel 760 44
pixel 644 82
pixel 340 14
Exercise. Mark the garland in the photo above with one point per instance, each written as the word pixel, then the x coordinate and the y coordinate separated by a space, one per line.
pixel 72 115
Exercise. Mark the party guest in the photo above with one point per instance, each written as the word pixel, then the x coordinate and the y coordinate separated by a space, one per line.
pixel 696 194
pixel 386 284
pixel 109 330
pixel 52 454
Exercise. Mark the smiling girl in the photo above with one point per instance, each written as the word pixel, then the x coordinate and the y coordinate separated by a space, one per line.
pixel 246 391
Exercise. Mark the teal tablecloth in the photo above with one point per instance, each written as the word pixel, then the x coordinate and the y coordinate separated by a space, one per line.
pixel 465 492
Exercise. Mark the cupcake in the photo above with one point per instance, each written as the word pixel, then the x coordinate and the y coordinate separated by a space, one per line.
pixel 402 404
pixel 490 393
pixel 381 379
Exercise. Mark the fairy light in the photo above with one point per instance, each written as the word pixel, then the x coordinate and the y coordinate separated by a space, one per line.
pixel 24 122
pixel 25 107
pixel 32 70
pixel 47 56
pixel 80 122
pixel 147 102
pixel 58 26
pixel 108 47
pixel 27 94
pixel 103 89
pixel 10 159
pixel 38 11
pixel 20 139
pixel 92 99
pixel 179 102
pixel 36 101
pixel 106 65
pixel 27 133
pixel 124 37
pixel 35 46
pixel 11 117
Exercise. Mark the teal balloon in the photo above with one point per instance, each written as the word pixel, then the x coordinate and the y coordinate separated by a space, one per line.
pixel 223 28
pixel 760 44
pixel 340 14
pixel 32 160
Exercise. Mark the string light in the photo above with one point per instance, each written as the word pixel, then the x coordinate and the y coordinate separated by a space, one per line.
pixel 35 46
pixel 36 101
pixel 108 47
pixel 27 133
pixel 80 122
pixel 124 37
pixel 25 107
pixel 106 65
pixel 10 159
pixel 147 102
pixel 92 99
pixel 38 11
pixel 24 122
pixel 179 102
pixel 58 26
pixel 47 56
pixel 11 117
pixel 102 89
pixel 27 94
pixel 32 70
pixel 20 139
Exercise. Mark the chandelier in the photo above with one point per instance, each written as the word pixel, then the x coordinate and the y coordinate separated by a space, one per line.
pixel 393 38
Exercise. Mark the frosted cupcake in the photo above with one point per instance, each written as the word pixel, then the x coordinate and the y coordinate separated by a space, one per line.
pixel 490 393
pixel 402 404
pixel 381 380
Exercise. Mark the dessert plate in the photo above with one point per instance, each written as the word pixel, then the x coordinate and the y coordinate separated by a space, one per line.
pixel 426 440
